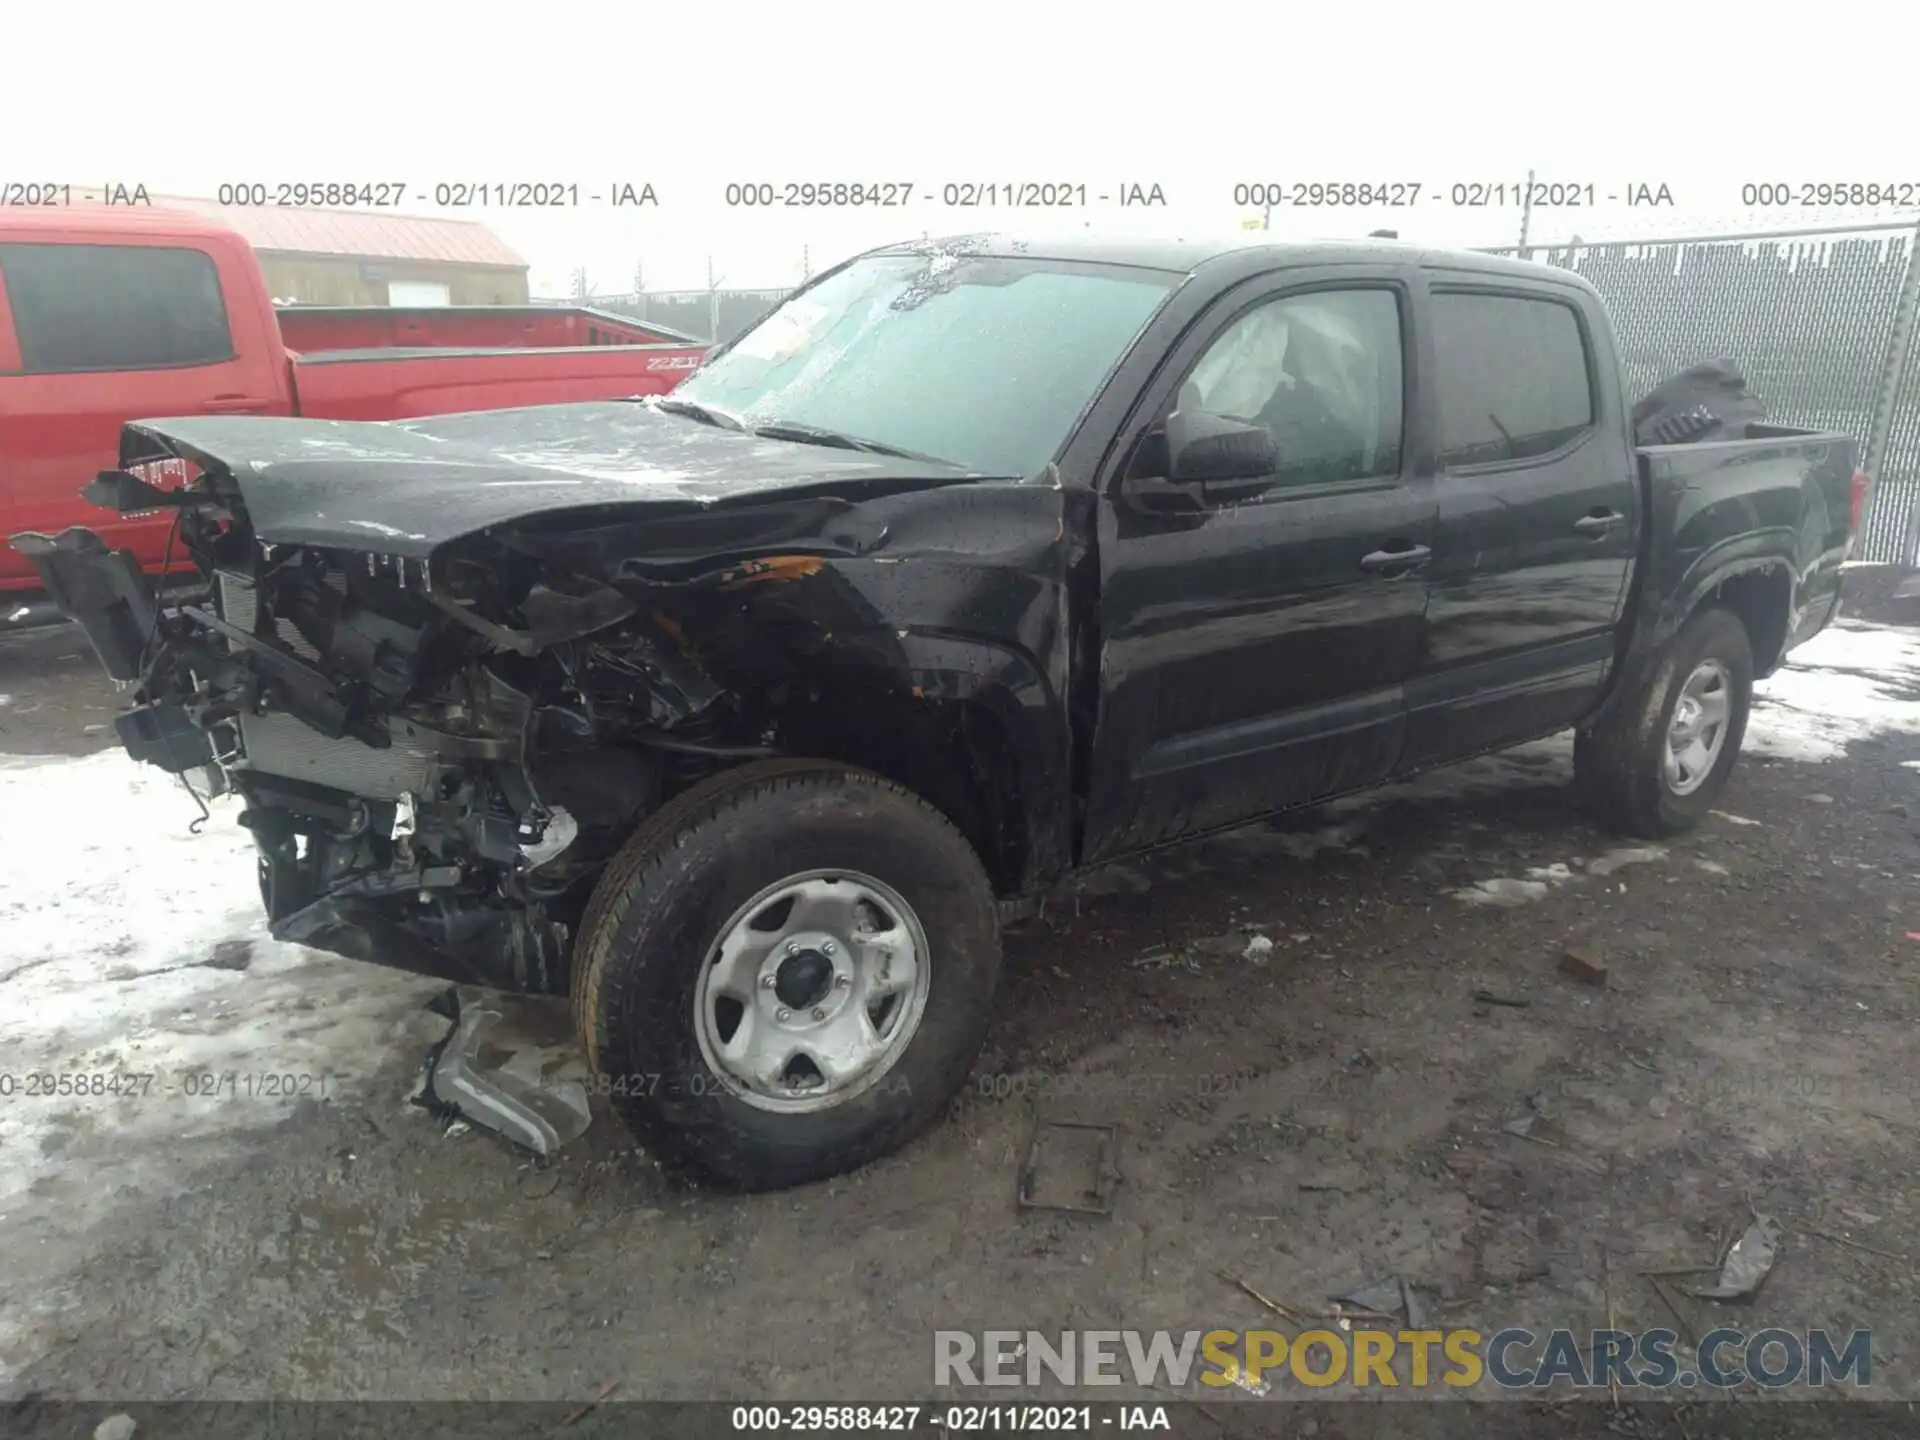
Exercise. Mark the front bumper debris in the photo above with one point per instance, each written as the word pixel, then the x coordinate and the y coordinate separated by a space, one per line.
pixel 541 1117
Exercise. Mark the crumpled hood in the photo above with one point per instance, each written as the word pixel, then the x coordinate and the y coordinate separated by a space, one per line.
pixel 408 487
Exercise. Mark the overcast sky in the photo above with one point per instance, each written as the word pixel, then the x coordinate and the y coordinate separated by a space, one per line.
pixel 1194 98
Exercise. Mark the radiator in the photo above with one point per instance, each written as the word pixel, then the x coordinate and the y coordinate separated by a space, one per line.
pixel 278 744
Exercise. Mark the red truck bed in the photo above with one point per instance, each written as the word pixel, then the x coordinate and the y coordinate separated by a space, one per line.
pixel 472 327
pixel 381 384
pixel 115 313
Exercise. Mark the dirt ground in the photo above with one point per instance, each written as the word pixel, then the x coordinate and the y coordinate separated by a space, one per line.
pixel 1307 1115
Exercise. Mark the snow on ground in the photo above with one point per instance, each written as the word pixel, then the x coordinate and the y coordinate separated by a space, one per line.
pixel 1847 682
pixel 110 909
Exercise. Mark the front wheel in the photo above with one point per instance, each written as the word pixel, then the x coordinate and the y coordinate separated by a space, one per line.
pixel 1658 763
pixel 787 972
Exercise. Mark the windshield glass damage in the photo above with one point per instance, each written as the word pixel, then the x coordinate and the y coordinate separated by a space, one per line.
pixel 982 361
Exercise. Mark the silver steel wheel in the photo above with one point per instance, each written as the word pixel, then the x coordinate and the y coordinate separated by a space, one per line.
pixel 813 992
pixel 1698 731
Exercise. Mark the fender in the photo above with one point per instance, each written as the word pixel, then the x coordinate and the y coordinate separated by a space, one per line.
pixel 1652 627
pixel 1027 705
pixel 1760 553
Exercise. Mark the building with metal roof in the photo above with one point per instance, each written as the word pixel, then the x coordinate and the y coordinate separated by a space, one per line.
pixel 370 257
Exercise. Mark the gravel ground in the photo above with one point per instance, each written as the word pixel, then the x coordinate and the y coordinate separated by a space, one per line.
pixel 1282 1022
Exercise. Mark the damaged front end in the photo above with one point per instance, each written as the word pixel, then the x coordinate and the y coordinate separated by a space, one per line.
pixel 436 753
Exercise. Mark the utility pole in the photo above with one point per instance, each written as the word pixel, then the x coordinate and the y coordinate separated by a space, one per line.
pixel 806 265
pixel 713 304
pixel 1526 216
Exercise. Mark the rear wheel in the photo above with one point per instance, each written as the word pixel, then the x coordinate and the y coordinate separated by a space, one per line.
pixel 1658 763
pixel 787 972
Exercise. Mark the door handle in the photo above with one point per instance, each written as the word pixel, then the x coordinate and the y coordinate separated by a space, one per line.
pixel 1407 557
pixel 234 404
pixel 1598 523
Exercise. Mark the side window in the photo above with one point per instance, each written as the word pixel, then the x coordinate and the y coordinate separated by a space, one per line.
pixel 1514 378
pixel 1323 372
pixel 114 307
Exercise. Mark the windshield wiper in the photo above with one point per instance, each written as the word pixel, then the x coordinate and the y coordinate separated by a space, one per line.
pixel 816 435
pixel 705 414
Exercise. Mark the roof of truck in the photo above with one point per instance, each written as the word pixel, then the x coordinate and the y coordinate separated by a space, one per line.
pixel 1183 256
pixel 33 220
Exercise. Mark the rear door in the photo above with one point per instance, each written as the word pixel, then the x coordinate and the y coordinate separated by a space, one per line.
pixel 1537 517
pixel 104 334
pixel 1254 646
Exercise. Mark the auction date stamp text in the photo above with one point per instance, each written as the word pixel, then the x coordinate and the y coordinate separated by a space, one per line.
pixel 185 1084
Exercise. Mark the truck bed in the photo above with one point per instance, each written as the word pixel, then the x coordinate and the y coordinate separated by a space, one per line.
pixel 311 328
pixel 402 384
pixel 1717 504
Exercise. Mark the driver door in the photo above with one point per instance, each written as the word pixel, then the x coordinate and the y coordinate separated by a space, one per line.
pixel 1256 636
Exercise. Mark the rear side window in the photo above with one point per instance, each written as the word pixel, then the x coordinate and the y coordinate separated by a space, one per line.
pixel 1514 379
pixel 114 307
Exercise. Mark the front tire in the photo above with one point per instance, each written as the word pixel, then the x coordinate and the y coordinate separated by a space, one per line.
pixel 786 973
pixel 1658 763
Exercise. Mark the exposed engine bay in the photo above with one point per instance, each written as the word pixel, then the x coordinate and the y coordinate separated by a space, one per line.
pixel 438 752
pixel 405 752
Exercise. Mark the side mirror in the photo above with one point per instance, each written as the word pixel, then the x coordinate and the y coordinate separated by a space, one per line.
pixel 1205 449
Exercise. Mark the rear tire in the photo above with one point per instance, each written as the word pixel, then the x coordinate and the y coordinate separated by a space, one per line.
pixel 1658 763
pixel 786 972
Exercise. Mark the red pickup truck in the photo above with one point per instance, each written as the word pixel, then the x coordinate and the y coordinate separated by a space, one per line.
pixel 111 314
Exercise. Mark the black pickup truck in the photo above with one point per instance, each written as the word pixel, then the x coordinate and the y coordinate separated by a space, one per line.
pixel 741 714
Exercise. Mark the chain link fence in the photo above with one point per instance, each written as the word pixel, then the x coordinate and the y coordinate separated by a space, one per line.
pixel 1820 322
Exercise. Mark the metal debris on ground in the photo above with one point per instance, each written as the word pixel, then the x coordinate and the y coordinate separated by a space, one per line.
pixel 1747 1264
pixel 1583 965
pixel 1381 1297
pixel 1387 1298
pixel 1093 1195
pixel 1511 1002
pixel 540 1118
